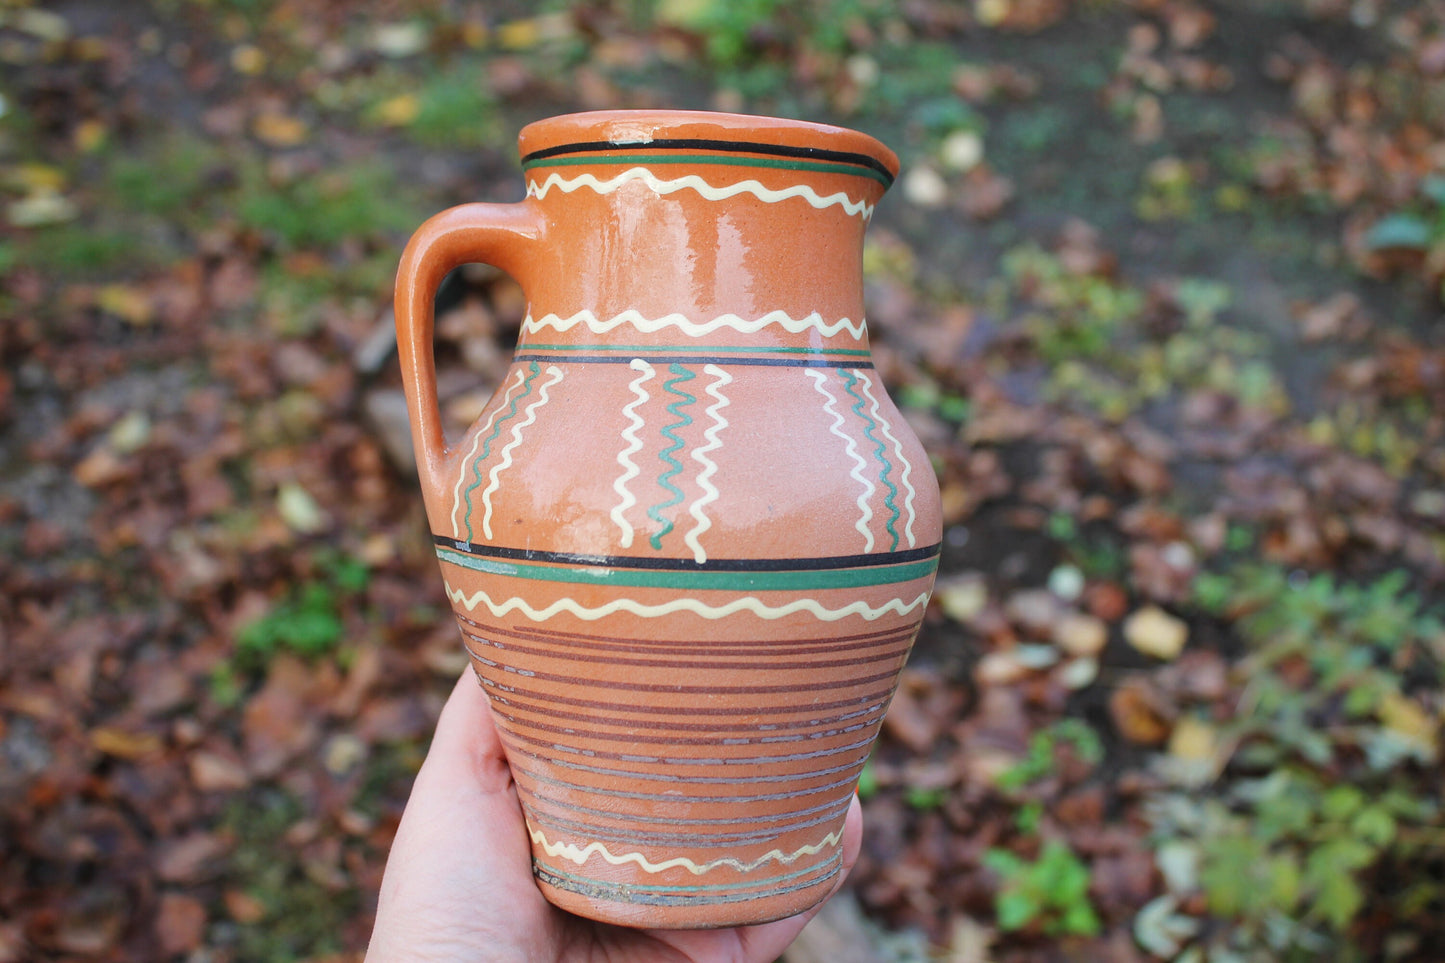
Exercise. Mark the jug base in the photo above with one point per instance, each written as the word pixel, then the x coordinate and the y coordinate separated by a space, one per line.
pixel 688 914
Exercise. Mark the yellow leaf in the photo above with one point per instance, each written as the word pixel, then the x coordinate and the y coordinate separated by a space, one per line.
pixel 279 130
pixel 398 111
pixel 518 34
pixel 248 59
pixel 991 13
pixel 128 303
pixel 123 744
pixel 1155 632
pixel 1404 716
pixel 89 136
pixel 1193 740
pixel 39 177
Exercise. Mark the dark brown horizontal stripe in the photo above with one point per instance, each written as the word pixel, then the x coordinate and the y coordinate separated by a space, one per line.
pixel 702 648
pixel 694 840
pixel 682 690
pixel 868 714
pixel 509 740
pixel 685 760
pixel 638 739
pixel 685 895
pixel 612 705
pixel 532 774
pixel 834 806
pixel 710 665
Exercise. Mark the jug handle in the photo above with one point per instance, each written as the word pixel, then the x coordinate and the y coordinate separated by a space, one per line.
pixel 503 235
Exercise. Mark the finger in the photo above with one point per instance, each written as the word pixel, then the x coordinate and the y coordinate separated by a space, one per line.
pixel 767 941
pixel 466 747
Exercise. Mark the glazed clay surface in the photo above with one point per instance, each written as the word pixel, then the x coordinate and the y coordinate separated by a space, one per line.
pixel 689 541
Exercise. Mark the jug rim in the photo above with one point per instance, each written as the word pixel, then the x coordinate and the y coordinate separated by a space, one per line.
pixel 706 129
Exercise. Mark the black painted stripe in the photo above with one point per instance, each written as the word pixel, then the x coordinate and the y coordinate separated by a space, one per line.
pixel 721 146
pixel 820 563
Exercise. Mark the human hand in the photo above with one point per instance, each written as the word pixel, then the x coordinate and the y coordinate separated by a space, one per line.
pixel 458 884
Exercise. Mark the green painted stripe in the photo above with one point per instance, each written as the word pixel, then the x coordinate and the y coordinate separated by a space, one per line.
pixel 679 374
pixel 487 446
pixel 820 868
pixel 818 167
pixel 674 349
pixel 818 580
pixel 881 453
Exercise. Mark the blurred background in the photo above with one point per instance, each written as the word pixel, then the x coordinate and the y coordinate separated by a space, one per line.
pixel 1160 288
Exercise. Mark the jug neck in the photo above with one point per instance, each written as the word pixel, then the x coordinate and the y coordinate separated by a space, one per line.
pixel 734 241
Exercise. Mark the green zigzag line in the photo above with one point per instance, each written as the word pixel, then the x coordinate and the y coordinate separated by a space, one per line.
pixel 882 454
pixel 665 479
pixel 487 445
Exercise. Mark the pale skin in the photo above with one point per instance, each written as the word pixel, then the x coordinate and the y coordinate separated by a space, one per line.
pixel 458 884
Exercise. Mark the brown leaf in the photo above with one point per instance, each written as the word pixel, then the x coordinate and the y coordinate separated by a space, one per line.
pixel 277 722
pixel 217 772
pixel 1140 713
pixel 189 859
pixel 243 907
pixel 180 923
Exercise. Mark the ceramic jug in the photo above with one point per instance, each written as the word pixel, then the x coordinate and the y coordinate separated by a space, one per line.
pixel 689 541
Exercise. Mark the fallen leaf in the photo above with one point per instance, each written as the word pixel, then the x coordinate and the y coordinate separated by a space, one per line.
pixel 1140 713
pixel 189 859
pixel 125 302
pixel 397 111
pixel 1155 632
pixel 124 744
pixel 1081 635
pixel 300 510
pixel 279 130
pixel 180 923
pixel 41 208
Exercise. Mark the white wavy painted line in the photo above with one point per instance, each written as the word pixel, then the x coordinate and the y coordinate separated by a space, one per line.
pixel 493 482
pixel 634 445
pixel 859 462
pixel 709 467
pixel 580 855
pixel 698 329
pixel 747 603
pixel 476 443
pixel 898 452
pixel 692 182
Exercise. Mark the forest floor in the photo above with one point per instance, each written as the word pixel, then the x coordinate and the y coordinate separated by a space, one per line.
pixel 1160 288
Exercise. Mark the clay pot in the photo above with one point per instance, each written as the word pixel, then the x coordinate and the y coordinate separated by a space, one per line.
pixel 690 540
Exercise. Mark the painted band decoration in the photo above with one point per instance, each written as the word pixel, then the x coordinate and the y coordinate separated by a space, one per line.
pixel 689 147
pixel 693 388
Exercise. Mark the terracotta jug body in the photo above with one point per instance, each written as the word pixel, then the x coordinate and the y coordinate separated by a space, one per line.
pixel 689 541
